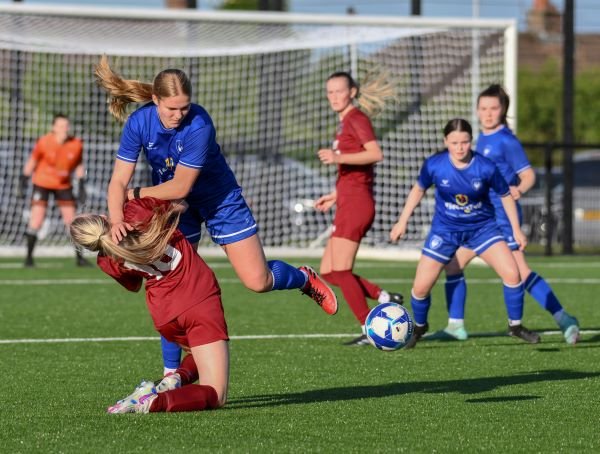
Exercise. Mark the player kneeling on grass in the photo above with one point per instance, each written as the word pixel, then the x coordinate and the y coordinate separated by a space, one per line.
pixel 183 297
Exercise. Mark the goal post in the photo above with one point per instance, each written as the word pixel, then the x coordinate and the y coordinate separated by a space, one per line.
pixel 261 76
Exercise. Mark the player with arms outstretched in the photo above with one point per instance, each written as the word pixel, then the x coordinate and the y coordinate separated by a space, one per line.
pixel 54 159
pixel 498 143
pixel 182 295
pixel 464 217
pixel 355 151
pixel 179 141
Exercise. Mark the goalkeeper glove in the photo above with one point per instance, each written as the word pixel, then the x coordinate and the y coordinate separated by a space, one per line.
pixel 81 193
pixel 22 186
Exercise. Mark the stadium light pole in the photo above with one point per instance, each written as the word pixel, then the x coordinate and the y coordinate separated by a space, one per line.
pixel 568 90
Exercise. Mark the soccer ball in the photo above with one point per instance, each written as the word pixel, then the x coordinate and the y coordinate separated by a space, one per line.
pixel 389 326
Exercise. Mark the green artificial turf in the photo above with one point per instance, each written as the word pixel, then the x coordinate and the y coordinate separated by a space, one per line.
pixel 489 393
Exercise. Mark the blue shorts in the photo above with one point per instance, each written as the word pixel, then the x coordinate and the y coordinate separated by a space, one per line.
pixel 442 245
pixel 229 221
pixel 504 225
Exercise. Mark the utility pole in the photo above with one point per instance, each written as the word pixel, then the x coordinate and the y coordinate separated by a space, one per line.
pixel 271 5
pixel 415 7
pixel 568 135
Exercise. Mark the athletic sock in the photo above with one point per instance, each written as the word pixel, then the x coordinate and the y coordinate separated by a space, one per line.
pixel 420 308
pixel 513 299
pixel 31 237
pixel 187 370
pixel 539 289
pixel 456 295
pixel 186 398
pixel 171 353
pixel 370 289
pixel 285 276
pixel 353 294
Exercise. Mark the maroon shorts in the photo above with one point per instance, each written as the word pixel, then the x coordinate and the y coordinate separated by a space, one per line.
pixel 201 324
pixel 353 217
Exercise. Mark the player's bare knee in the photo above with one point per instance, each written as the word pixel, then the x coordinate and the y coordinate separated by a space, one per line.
pixel 419 292
pixel 259 284
pixel 511 277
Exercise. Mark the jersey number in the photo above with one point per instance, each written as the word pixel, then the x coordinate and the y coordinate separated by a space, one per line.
pixel 158 268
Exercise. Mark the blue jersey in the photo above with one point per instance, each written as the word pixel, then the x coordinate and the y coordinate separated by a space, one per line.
pixel 462 198
pixel 506 151
pixel 192 144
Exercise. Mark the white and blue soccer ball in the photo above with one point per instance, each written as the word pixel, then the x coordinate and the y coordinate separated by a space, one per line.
pixel 389 326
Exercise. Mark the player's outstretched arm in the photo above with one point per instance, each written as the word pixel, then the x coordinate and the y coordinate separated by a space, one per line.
pixel 176 189
pixel 412 201
pixel 510 207
pixel 121 176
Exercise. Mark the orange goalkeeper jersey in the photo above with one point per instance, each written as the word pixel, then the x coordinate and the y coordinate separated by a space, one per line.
pixel 55 161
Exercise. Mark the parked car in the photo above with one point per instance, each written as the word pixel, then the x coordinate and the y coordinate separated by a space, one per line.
pixel 586 202
pixel 281 192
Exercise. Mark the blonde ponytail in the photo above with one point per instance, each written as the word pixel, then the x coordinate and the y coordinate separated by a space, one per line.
pixel 375 91
pixel 121 92
pixel 146 244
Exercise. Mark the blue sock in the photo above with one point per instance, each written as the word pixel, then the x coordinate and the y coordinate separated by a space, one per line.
pixel 513 299
pixel 285 276
pixel 171 353
pixel 420 308
pixel 542 293
pixel 456 295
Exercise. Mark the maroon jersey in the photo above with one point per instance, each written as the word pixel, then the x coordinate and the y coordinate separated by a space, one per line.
pixel 353 132
pixel 176 282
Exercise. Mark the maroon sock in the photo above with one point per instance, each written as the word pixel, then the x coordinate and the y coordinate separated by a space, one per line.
pixel 186 398
pixel 329 278
pixel 353 294
pixel 187 370
pixel 370 289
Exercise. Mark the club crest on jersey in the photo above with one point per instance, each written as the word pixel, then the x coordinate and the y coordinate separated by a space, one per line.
pixel 461 199
pixel 179 146
pixel 169 163
pixel 476 183
pixel 435 242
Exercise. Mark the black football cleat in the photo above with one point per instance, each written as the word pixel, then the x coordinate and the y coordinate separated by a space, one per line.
pixel 418 333
pixel 524 334
pixel 358 341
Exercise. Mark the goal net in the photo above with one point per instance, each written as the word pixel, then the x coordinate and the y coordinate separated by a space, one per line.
pixel 261 77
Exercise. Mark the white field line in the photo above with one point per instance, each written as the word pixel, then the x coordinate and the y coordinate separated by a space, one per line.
pixel 21 282
pixel 235 338
pixel 359 265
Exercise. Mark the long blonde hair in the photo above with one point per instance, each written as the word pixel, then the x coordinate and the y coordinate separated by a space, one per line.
pixel 121 92
pixel 146 244
pixel 372 94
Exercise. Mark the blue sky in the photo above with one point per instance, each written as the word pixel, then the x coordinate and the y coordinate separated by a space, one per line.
pixel 587 12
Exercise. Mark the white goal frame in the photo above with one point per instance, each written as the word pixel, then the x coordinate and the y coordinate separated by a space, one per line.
pixel 55 42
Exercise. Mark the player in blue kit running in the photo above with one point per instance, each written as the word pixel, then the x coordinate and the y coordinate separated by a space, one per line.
pixel 498 143
pixel 179 141
pixel 464 217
